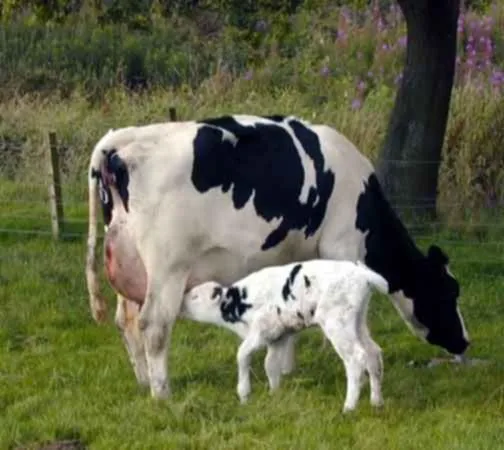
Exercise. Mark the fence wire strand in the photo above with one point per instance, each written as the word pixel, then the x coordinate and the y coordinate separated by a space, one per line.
pixel 24 208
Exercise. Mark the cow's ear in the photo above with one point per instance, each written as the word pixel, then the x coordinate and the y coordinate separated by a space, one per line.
pixel 437 256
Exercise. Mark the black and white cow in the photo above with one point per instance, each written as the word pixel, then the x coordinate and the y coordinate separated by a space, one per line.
pixel 189 202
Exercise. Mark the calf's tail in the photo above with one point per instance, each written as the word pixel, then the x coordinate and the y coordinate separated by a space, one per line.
pixel 374 278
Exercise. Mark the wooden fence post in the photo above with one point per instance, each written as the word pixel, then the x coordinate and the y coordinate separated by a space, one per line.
pixel 172 112
pixel 55 198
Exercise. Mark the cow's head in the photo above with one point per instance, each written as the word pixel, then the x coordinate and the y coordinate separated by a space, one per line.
pixel 433 312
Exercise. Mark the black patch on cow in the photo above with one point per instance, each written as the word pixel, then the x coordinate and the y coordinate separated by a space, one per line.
pixel 232 306
pixel 116 166
pixel 392 253
pixel 105 196
pixel 275 118
pixel 307 282
pixel 289 282
pixel 265 163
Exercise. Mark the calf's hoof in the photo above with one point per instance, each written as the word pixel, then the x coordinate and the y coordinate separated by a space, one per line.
pixel 243 392
pixel 347 410
pixel 377 402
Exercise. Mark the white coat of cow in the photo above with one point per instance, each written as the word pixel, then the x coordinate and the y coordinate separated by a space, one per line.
pixel 189 202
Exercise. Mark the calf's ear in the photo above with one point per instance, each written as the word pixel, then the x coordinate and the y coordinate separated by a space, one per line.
pixel 437 256
pixel 217 293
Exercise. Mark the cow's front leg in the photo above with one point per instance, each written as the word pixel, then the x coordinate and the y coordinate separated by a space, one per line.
pixel 157 317
pixel 126 319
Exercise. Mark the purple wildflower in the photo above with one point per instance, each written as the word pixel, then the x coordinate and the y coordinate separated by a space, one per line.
pixel 403 40
pixel 356 103
pixel 325 71
pixel 345 12
pixel 497 78
pixel 248 75
pixel 381 25
pixel 261 26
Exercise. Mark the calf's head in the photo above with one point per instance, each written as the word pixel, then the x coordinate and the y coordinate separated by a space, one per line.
pixel 435 314
pixel 201 302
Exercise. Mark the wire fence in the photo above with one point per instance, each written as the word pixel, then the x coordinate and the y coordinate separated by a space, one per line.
pixel 48 205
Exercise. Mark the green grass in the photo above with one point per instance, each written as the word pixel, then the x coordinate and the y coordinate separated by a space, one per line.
pixel 62 376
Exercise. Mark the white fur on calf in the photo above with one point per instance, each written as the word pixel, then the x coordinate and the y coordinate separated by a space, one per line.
pixel 268 306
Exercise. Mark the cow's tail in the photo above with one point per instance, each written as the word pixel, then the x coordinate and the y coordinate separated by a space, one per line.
pixel 96 301
pixel 375 279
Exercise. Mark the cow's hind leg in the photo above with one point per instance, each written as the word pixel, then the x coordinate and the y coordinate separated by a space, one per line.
pixel 158 314
pixel 126 319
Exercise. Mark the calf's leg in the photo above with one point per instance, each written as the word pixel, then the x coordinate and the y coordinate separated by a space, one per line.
pixel 375 371
pixel 274 361
pixel 126 319
pixel 374 360
pixel 289 354
pixel 250 344
pixel 345 340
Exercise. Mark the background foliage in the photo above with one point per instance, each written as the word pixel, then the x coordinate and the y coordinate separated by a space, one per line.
pixel 80 66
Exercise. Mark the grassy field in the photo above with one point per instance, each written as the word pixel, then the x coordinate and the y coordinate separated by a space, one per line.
pixel 63 377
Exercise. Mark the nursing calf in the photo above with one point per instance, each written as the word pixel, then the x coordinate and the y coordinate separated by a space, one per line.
pixel 267 306
pixel 217 199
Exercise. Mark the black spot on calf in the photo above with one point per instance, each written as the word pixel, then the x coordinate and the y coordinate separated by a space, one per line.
pixel 263 160
pixel 232 307
pixel 287 288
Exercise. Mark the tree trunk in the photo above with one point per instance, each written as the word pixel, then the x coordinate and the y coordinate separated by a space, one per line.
pixel 409 162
